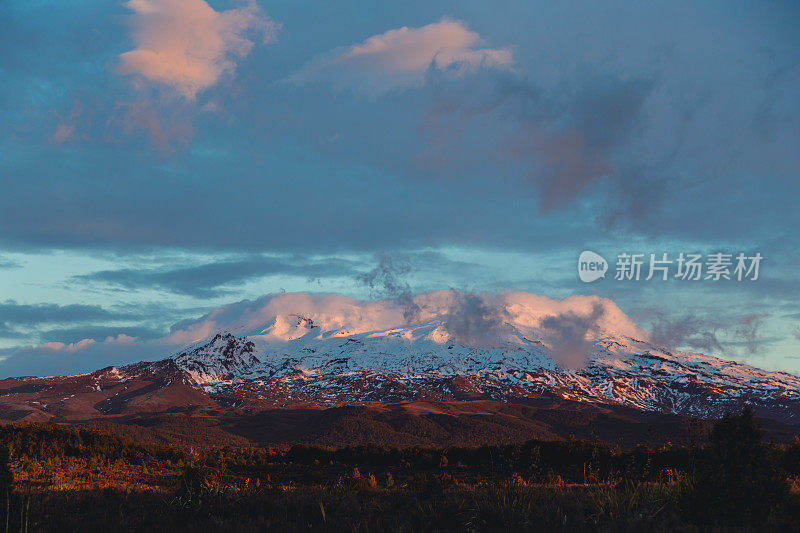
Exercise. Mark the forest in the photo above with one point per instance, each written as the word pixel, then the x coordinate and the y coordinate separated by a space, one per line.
pixel 84 478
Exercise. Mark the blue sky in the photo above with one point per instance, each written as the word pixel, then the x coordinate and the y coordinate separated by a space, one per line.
pixel 159 158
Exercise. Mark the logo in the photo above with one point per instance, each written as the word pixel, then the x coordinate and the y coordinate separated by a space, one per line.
pixel 591 266
pixel 666 266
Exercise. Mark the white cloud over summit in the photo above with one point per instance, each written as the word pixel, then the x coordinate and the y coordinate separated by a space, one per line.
pixel 468 317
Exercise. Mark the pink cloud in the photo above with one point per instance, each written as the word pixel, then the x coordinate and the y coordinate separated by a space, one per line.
pixel 187 45
pixel 84 344
pixel 399 58
pixel 68 347
pixel 67 126
pixel 165 132
pixel 277 314
pixel 63 133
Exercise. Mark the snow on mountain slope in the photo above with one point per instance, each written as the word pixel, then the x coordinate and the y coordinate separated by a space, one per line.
pixel 301 350
pixel 326 360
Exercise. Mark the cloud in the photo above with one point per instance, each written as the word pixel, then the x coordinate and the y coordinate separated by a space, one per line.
pixel 561 165
pixel 71 347
pixel 70 324
pixel 468 316
pixel 568 334
pixel 330 311
pixel 473 320
pixel 97 333
pixel 692 331
pixel 63 133
pixel 747 332
pixel 565 137
pixel 167 127
pixel 9 263
pixel 482 319
pixel 86 343
pixel 12 312
pixel 386 281
pixel 8 331
pixel 207 280
pixel 60 358
pixel 400 58
pixel 733 337
pixel 187 45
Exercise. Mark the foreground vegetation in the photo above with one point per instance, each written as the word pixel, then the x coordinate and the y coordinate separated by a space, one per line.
pixel 83 479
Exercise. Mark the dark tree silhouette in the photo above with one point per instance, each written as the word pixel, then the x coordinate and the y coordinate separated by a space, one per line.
pixel 738 479
pixel 6 482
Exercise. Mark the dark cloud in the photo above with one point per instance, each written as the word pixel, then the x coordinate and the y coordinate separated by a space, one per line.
pixel 60 360
pixel 208 280
pixel 97 333
pixel 566 333
pixel 9 332
pixel 747 332
pixel 771 113
pixel 385 281
pixel 48 322
pixel 692 331
pixel 566 135
pixel 274 168
pixel 47 313
pixel 636 197
pixel 9 263
pixel 724 336
pixel 592 116
pixel 471 320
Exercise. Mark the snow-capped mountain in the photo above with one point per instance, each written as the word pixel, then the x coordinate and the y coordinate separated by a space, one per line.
pixel 325 368
pixel 302 351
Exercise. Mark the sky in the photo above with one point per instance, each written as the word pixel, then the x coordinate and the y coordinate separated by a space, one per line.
pixel 162 158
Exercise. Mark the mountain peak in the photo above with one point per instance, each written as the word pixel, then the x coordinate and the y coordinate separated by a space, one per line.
pixel 423 361
pixel 219 359
pixel 323 350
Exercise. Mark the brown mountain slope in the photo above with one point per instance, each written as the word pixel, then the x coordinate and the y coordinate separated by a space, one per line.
pixel 157 404
pixel 408 424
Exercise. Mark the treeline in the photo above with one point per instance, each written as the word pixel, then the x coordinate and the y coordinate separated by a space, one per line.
pixel 734 480
pixel 37 446
pixel 574 461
